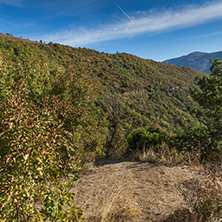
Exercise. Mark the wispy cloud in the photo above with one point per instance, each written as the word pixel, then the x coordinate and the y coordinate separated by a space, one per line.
pixel 148 22
pixel 205 36
pixel 16 3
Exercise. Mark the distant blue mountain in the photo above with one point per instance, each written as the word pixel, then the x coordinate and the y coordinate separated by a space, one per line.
pixel 197 60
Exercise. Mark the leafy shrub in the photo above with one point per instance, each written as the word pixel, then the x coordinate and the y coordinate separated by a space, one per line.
pixel 143 138
pixel 48 126
pixel 198 139
pixel 32 139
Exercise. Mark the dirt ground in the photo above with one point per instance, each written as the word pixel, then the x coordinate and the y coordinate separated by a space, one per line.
pixel 134 191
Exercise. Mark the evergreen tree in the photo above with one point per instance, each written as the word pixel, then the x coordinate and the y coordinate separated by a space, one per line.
pixel 208 94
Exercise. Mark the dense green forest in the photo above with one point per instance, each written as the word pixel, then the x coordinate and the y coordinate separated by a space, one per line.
pixel 62 107
pixel 149 91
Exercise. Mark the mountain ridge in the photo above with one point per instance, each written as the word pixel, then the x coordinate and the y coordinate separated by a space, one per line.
pixel 197 60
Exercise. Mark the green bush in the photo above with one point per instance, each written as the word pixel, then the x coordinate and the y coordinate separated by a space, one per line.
pixel 143 138
pixel 198 139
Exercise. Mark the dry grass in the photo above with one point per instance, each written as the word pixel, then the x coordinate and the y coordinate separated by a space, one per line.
pixel 193 158
pixel 108 200
pixel 131 191
pixel 142 190
pixel 161 155
pixel 118 207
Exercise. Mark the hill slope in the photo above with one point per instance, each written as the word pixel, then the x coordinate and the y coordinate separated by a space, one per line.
pixel 150 93
pixel 197 60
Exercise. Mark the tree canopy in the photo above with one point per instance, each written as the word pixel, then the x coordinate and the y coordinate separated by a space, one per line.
pixel 208 94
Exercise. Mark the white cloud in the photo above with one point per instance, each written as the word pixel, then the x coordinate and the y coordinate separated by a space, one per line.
pixel 149 22
pixel 16 3
pixel 205 36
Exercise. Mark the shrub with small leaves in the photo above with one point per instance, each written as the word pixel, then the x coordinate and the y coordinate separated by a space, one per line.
pixel 30 162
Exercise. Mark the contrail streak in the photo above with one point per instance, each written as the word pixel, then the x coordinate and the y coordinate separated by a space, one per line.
pixel 123 12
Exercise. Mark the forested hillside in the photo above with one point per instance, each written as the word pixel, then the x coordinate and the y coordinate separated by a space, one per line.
pixel 148 91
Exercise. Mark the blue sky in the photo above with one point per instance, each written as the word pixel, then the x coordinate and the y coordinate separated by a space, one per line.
pixel 157 29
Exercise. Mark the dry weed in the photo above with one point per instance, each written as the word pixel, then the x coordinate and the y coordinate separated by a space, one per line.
pixel 160 154
pixel 193 157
